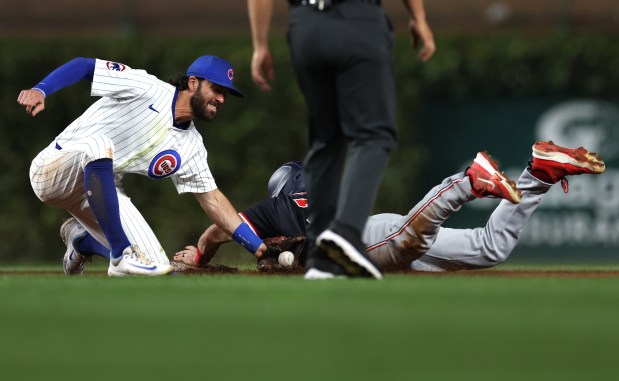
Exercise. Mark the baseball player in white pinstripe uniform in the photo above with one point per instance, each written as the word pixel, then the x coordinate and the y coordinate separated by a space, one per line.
pixel 140 125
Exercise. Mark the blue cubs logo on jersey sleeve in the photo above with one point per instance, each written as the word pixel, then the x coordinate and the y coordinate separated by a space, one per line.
pixel 164 164
pixel 115 66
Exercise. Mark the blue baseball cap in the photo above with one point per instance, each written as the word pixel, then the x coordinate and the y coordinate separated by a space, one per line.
pixel 216 70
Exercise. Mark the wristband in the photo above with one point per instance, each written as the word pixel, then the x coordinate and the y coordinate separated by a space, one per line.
pixel 198 256
pixel 247 238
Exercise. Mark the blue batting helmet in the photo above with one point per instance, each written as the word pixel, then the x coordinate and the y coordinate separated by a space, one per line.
pixel 287 179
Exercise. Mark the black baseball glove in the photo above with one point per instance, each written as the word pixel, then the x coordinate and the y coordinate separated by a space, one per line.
pixel 277 245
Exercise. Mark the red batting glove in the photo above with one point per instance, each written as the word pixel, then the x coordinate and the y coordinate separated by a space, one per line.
pixel 198 257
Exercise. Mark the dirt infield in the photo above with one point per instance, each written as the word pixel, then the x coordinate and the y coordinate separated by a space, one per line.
pixel 226 270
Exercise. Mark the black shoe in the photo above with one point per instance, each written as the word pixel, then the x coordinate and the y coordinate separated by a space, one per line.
pixel 319 266
pixel 343 245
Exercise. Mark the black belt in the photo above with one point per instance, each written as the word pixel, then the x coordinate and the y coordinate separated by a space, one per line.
pixel 315 3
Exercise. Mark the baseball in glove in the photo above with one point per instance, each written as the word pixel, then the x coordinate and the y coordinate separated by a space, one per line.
pixel 275 246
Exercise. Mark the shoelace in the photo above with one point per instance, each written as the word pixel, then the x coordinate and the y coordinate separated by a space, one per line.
pixel 139 256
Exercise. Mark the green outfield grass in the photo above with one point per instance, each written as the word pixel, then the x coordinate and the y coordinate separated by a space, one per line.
pixel 240 327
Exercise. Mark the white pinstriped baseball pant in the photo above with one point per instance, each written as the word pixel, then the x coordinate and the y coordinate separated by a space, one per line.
pixel 57 178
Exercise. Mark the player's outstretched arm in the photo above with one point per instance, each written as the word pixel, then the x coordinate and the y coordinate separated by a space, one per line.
pixel 208 244
pixel 78 69
pixel 222 213
pixel 211 239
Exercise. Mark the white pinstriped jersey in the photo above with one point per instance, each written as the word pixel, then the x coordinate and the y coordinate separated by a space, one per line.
pixel 136 113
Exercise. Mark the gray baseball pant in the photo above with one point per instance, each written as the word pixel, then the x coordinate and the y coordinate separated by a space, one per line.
pixel 418 241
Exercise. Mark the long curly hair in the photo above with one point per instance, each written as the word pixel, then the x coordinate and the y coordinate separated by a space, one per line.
pixel 180 81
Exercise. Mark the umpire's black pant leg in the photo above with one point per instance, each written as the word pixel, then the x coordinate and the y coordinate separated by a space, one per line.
pixel 327 145
pixel 366 99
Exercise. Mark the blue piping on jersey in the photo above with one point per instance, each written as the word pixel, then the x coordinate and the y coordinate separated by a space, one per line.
pixel 78 69
pixel 182 126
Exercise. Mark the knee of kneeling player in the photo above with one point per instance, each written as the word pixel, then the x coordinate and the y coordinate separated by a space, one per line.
pixel 54 197
pixel 416 246
pixel 41 194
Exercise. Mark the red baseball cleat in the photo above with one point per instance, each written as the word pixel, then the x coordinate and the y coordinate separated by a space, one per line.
pixel 487 180
pixel 555 162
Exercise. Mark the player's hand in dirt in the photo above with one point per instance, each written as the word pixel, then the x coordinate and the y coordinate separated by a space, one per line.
pixel 32 100
pixel 187 256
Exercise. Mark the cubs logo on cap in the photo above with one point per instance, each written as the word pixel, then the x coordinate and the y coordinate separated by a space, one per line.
pixel 164 164
pixel 216 70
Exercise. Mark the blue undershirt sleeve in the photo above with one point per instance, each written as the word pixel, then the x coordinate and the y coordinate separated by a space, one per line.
pixel 78 69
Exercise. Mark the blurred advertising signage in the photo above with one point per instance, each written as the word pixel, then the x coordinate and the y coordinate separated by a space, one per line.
pixel 590 215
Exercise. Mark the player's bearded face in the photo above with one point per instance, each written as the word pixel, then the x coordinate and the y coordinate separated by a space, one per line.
pixel 205 102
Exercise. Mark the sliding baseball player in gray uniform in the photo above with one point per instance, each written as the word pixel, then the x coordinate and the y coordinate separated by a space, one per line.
pixel 417 240
pixel 140 125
